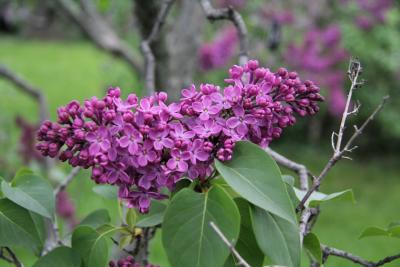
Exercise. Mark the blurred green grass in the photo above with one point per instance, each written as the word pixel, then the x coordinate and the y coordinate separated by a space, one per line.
pixel 77 70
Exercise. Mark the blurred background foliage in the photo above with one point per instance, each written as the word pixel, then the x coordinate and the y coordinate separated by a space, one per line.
pixel 39 41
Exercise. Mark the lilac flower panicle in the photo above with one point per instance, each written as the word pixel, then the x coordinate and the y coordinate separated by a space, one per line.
pixel 145 146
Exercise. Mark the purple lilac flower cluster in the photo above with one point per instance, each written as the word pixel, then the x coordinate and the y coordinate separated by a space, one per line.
pixel 318 58
pixel 144 146
pixel 129 261
pixel 219 52
pixel 373 13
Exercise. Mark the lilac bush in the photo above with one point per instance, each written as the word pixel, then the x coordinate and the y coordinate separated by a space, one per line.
pixel 144 145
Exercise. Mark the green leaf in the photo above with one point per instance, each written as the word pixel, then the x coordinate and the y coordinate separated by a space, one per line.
pixel 106 191
pixel 19 227
pixel 23 171
pixel 187 236
pixel 131 218
pixel 124 241
pixel 60 257
pixel 31 192
pixel 312 245
pixel 91 245
pixel 96 219
pixel 256 177
pixel 277 238
pixel 393 230
pixel 155 215
pixel 246 245
pixel 317 198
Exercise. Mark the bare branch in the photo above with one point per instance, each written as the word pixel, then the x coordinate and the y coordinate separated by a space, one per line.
pixel 237 20
pixel 300 169
pixel 28 89
pixel 150 71
pixel 67 181
pixel 241 261
pixel 99 31
pixel 339 155
pixel 329 251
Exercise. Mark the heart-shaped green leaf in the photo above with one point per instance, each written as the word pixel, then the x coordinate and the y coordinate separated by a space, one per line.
pixel 312 245
pixel 96 219
pixel 19 227
pixel 155 215
pixel 60 257
pixel 277 238
pixel 246 245
pixel 317 198
pixel 256 177
pixel 31 192
pixel 91 245
pixel 187 236
pixel 106 191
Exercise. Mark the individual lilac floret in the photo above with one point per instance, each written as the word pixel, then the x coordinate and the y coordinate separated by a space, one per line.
pixel 145 146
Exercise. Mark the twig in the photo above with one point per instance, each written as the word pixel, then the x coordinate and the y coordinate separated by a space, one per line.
pixel 123 249
pixel 54 225
pixel 237 20
pixel 150 70
pixel 339 152
pixel 67 181
pixel 98 30
pixel 300 169
pixel 241 261
pixel 330 251
pixel 12 259
pixel 28 89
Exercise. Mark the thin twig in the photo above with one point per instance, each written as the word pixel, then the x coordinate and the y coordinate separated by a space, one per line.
pixel 339 152
pixel 67 181
pixel 150 71
pixel 241 261
pixel 28 89
pixel 337 156
pixel 237 20
pixel 330 251
pixel 99 31
pixel 300 169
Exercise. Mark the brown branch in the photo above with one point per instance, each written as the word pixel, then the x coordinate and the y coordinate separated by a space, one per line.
pixel 99 31
pixel 338 151
pixel 26 88
pixel 67 181
pixel 237 20
pixel 235 253
pixel 150 71
pixel 300 169
pixel 330 251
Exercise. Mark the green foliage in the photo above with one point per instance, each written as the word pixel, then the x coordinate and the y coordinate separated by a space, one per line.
pixel 278 238
pixel 106 191
pixel 318 198
pixel 60 257
pixel 246 244
pixel 31 192
pixel 313 247
pixel 91 246
pixel 96 219
pixel 20 227
pixel 187 236
pixel 256 177
pixel 155 215
pixel 393 230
